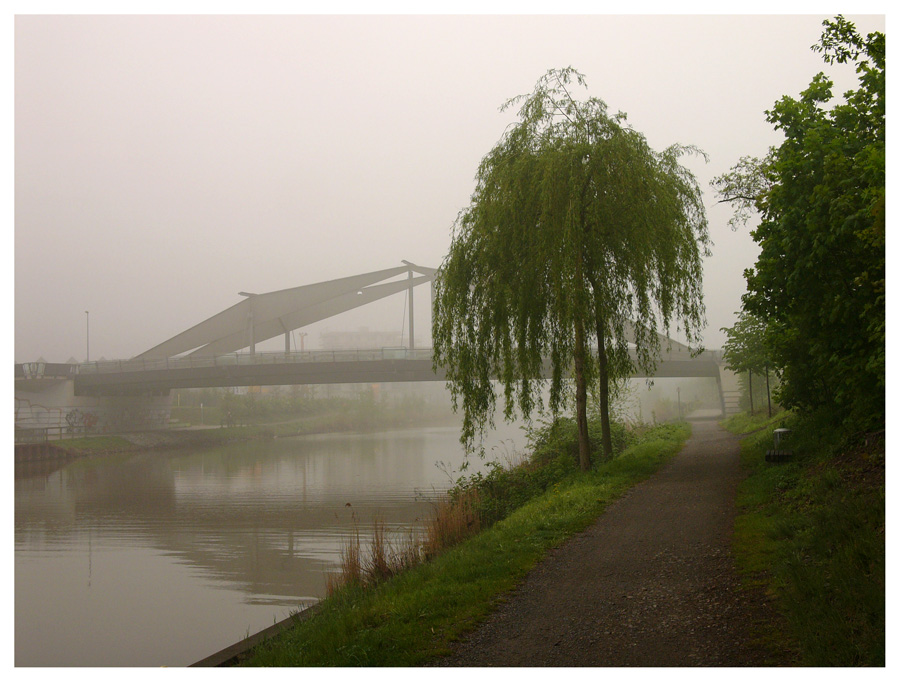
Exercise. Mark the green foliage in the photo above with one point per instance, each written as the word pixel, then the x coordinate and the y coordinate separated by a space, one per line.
pixel 819 281
pixel 559 437
pixel 554 457
pixel 577 233
pixel 92 444
pixel 745 422
pixel 745 349
pixel 755 395
pixel 812 531
pixel 746 353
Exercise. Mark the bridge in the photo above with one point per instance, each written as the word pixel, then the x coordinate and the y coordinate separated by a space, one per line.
pixel 385 365
pixel 221 351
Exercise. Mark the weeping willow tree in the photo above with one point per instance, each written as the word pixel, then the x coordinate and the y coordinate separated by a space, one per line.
pixel 579 239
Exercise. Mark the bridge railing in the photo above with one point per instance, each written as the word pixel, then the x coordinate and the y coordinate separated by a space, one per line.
pixel 265 358
pixel 36 370
pixel 49 370
pixel 42 434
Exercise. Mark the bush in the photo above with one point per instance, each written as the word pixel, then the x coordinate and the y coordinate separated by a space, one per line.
pixel 554 447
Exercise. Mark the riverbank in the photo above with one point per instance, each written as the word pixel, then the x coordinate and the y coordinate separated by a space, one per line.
pixel 415 616
pixel 212 436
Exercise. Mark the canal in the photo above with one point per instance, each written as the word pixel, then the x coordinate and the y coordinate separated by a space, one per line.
pixel 163 558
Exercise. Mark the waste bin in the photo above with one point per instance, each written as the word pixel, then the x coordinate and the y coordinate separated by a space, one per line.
pixel 779 454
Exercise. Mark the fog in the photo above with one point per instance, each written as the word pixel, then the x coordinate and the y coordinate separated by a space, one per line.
pixel 165 163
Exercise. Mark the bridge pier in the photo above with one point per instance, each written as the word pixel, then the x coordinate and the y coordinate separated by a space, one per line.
pixel 51 407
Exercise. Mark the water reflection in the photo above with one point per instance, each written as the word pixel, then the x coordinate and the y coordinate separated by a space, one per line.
pixel 164 558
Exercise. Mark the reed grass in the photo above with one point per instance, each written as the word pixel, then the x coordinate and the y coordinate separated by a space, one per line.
pixel 382 559
pixel 452 521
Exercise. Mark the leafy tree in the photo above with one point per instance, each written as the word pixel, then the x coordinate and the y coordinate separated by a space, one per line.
pixel 819 281
pixel 746 349
pixel 576 229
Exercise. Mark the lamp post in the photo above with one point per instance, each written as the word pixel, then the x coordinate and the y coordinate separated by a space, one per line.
pixel 87 317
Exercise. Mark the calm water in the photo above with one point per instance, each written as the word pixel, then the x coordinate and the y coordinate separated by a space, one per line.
pixel 165 558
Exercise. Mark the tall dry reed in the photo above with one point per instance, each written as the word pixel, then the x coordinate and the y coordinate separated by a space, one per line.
pixel 383 560
pixel 351 572
pixel 452 521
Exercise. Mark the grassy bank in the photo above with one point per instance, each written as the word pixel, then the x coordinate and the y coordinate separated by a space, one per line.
pixel 165 440
pixel 329 422
pixel 89 445
pixel 413 616
pixel 811 532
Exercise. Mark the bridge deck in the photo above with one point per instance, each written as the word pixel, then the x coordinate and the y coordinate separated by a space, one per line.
pixel 313 367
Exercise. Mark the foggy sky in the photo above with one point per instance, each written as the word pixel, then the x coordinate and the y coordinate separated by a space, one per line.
pixel 164 163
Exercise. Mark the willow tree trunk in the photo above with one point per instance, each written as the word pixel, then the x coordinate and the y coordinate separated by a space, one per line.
pixel 603 376
pixel 584 443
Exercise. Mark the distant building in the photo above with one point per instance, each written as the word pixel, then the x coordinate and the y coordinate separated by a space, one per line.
pixel 361 338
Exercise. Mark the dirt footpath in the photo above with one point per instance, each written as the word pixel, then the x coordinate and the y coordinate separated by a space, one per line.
pixel 651 583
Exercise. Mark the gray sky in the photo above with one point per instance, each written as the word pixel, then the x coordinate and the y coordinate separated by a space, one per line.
pixel 164 163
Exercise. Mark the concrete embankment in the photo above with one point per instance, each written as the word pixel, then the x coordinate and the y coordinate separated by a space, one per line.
pixel 231 655
pixel 26 453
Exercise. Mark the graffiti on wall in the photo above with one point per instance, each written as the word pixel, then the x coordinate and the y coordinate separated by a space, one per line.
pixel 81 422
pixel 104 418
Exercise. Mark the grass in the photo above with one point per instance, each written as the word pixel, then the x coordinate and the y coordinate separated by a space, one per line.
pixel 744 422
pixel 811 532
pixel 412 617
pixel 95 444
pixel 326 423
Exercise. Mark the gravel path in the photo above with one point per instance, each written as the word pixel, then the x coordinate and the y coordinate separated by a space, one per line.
pixel 651 583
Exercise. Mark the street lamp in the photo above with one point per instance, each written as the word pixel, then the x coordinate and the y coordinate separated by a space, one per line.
pixel 87 317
